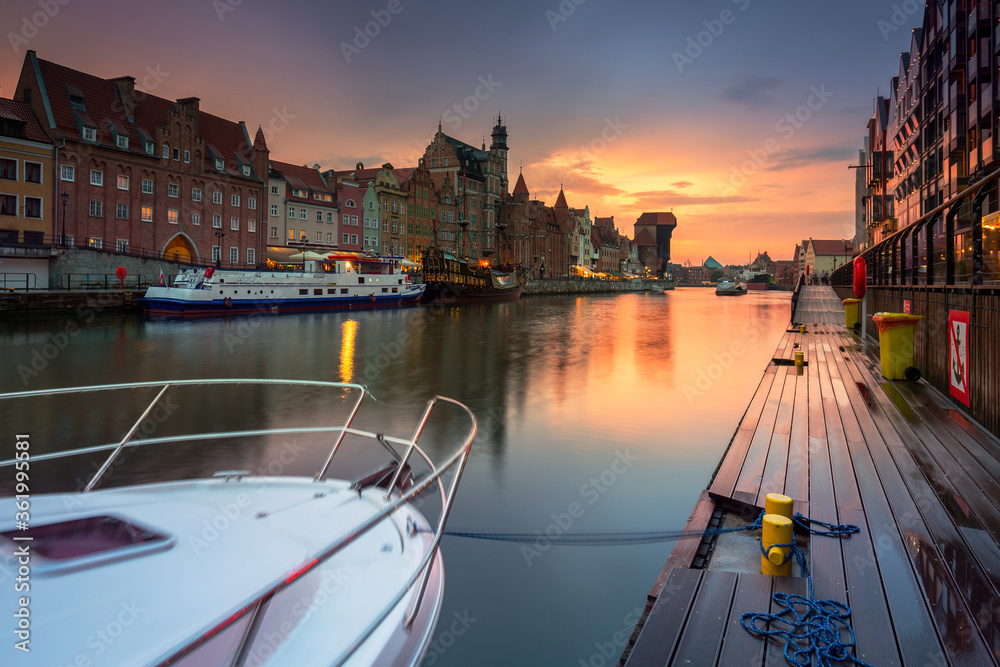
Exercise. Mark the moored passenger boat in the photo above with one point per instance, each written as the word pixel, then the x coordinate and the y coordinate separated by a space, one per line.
pixel 452 278
pixel 343 280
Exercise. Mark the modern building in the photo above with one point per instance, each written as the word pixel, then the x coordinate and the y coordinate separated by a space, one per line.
pixel 146 173
pixel 28 198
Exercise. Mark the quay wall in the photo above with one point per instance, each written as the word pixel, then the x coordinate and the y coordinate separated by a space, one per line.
pixel 931 353
pixel 557 286
pixel 70 266
pixel 111 301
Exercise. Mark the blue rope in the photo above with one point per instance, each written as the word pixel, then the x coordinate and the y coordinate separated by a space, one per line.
pixel 810 627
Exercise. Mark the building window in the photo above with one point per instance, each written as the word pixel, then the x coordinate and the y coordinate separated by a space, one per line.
pixel 291 211
pixel 32 207
pixel 217 197
pixel 121 141
pixel 8 205
pixel 96 177
pixel 172 216
pixel 121 245
pixel 251 256
pixel 187 156
pixel 274 233
pixel 95 242
pixel 303 214
pixel 196 218
pixel 89 134
pixel 121 211
pixel 252 203
pixel 173 190
pixel 177 154
pixel 122 182
pixel 67 172
pixel 274 211
pixel 252 225
pixel 350 203
pixel 354 220
pixel 96 208
pixel 345 239
pixel 234 254
pixel 166 151
pixel 220 164
pixel 319 216
pixel 274 189
pixel 235 200
pixel 196 194
pixel 291 234
pixel 385 248
pixel 395 227
pixel 371 206
pixel 217 221
pixel 395 206
pixel 234 224
pixel 32 172
pixel 385 226
pixel 150 148
pixel 329 217
pixel 216 254
pixel 147 213
pixel 147 186
pixel 246 170
pixel 354 239
pixel 347 219
pixel 319 237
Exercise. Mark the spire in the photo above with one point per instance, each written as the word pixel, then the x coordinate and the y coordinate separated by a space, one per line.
pixel 561 201
pixel 259 143
pixel 439 123
pixel 520 188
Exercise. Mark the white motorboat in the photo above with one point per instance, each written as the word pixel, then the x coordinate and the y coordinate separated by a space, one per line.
pixel 234 569
pixel 726 287
pixel 342 280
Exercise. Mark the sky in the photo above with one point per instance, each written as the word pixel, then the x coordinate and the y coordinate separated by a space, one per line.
pixel 740 116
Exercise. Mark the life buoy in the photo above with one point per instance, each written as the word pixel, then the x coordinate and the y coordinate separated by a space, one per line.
pixel 228 302
pixel 373 297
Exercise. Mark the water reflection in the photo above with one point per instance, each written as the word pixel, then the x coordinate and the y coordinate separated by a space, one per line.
pixel 561 385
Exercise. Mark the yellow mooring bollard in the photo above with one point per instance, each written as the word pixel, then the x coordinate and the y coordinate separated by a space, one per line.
pixel 777 530
pixel 777 503
pixel 800 359
pixel 802 328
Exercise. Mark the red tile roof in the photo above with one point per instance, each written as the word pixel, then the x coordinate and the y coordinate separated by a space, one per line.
pixel 832 247
pixel 657 219
pixel 561 201
pixel 520 188
pixel 21 112
pixel 103 104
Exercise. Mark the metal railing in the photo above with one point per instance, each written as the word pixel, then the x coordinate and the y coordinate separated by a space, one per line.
pixel 252 604
pixel 10 282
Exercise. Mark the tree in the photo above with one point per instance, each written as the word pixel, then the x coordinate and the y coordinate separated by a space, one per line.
pixel 715 276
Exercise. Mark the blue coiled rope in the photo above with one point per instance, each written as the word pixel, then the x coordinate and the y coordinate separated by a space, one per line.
pixel 810 627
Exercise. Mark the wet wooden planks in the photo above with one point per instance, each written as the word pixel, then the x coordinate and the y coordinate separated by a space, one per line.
pixel 920 479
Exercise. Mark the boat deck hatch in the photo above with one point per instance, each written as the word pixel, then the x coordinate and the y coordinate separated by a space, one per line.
pixel 85 537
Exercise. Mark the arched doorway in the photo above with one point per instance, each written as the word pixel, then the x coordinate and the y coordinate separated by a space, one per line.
pixel 180 249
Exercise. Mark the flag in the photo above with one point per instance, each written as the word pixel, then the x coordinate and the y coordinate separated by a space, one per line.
pixel 162 281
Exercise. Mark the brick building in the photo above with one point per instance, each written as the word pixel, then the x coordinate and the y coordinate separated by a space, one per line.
pixel 143 172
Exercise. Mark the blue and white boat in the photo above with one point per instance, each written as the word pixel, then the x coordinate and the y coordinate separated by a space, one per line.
pixel 342 280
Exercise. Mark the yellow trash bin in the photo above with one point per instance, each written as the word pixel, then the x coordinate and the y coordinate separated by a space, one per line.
pixel 851 309
pixel 895 337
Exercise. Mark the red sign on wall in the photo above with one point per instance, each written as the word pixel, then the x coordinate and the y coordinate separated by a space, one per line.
pixel 906 306
pixel 958 358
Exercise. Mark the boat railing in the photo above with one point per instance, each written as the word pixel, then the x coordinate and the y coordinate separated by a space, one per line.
pixel 253 604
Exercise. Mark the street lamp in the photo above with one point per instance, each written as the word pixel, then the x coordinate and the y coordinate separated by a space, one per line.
pixel 219 234
pixel 62 238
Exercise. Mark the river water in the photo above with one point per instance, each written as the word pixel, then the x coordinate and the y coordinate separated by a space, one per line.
pixel 597 413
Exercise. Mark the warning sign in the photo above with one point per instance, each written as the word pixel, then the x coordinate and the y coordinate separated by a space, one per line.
pixel 958 344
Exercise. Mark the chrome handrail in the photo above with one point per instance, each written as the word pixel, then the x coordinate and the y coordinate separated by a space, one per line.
pixel 458 458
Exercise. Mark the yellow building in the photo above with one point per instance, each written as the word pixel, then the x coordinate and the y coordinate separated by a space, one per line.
pixel 27 198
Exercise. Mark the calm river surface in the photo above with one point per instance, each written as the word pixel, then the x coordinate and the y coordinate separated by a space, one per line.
pixel 616 409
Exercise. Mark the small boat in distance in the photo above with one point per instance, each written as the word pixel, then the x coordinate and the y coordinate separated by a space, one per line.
pixel 451 278
pixel 726 287
pixel 235 569
pixel 342 280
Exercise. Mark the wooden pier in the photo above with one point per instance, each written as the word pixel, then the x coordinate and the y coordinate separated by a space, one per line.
pixel 919 478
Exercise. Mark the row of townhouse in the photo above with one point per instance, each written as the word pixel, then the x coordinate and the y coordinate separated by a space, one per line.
pixel 97 162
